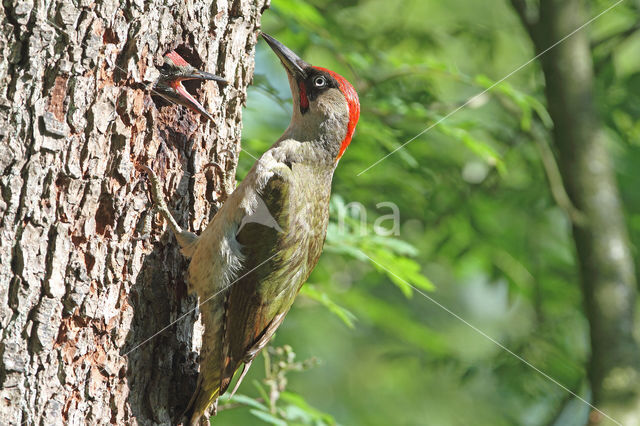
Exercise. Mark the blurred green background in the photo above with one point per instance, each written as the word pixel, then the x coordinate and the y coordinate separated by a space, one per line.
pixel 479 233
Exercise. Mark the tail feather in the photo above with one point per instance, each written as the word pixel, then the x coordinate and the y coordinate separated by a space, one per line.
pixel 202 398
pixel 245 369
pixel 210 383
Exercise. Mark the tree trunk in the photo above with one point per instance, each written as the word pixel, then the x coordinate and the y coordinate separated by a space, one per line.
pixel 81 288
pixel 602 243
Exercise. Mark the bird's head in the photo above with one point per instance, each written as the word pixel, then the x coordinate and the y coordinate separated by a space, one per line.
pixel 325 105
pixel 173 72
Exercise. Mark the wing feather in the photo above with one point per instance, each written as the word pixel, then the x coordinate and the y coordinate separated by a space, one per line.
pixel 254 257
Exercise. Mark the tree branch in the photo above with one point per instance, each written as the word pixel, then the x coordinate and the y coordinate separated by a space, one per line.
pixel 527 16
pixel 556 185
pixel 620 35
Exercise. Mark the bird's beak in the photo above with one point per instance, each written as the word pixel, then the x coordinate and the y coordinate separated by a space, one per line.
pixel 175 92
pixel 202 75
pixel 295 66
pixel 171 88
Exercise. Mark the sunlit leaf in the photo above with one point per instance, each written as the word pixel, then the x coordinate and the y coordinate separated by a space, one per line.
pixel 246 400
pixel 312 412
pixel 269 418
pixel 312 292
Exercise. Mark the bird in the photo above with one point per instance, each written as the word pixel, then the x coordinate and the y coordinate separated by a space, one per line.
pixel 173 72
pixel 251 260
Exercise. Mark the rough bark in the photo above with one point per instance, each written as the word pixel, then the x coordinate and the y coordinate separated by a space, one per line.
pixel 80 286
pixel 602 243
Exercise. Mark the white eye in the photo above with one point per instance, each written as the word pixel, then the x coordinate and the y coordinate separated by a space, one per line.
pixel 319 81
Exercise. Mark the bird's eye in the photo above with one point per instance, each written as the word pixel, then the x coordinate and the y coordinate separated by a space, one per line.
pixel 319 81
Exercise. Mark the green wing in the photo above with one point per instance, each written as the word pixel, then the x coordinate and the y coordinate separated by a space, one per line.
pixel 280 249
pixel 274 268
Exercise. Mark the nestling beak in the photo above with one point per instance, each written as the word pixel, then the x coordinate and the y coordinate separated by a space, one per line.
pixel 176 70
pixel 295 66
pixel 202 75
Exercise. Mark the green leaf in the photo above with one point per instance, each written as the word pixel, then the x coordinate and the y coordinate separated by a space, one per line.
pixel 300 402
pixel 402 271
pixel 480 148
pixel 300 11
pixel 269 418
pixel 246 400
pixel 345 249
pixel 396 245
pixel 397 321
pixel 261 391
pixel 310 291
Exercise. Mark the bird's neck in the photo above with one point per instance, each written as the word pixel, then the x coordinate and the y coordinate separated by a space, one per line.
pixel 323 134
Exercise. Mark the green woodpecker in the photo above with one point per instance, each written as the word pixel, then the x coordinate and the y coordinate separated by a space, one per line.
pixel 250 262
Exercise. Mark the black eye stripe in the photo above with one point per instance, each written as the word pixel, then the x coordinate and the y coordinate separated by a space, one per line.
pixel 312 90
pixel 329 80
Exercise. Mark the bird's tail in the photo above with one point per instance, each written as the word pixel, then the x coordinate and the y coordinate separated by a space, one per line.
pixel 201 400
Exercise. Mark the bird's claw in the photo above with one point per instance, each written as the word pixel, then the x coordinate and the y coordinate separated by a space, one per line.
pixel 186 239
pixel 157 197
